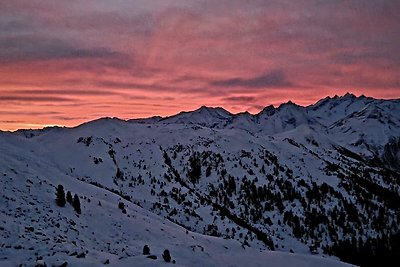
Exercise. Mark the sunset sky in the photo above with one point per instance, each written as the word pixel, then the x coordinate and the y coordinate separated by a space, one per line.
pixel 67 62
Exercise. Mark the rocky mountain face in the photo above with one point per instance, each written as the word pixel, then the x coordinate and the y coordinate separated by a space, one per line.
pixel 322 179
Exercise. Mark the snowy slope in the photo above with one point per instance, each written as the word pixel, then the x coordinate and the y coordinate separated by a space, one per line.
pixel 33 226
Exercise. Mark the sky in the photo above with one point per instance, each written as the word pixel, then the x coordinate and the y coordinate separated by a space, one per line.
pixel 67 62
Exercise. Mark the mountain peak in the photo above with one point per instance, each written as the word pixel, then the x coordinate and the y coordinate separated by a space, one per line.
pixel 268 110
pixel 349 96
pixel 205 108
pixel 205 116
pixel 212 111
pixel 244 113
pixel 288 104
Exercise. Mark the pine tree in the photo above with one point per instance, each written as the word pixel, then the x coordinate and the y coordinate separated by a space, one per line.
pixel 60 196
pixel 166 255
pixel 146 250
pixel 195 168
pixel 76 204
pixel 69 197
pixel 208 171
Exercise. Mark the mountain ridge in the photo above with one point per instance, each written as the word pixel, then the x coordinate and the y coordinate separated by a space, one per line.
pixel 268 108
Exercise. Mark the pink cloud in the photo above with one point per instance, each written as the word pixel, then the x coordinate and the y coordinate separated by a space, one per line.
pixel 134 58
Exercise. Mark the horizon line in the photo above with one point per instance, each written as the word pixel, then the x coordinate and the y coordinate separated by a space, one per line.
pixel 50 126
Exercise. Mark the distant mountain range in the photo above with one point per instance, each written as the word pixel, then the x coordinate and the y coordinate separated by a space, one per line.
pixel 322 179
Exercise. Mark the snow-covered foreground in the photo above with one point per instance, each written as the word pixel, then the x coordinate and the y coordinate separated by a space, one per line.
pixel 33 226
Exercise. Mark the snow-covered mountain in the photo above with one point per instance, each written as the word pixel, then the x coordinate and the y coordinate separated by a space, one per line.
pixel 204 116
pixel 215 188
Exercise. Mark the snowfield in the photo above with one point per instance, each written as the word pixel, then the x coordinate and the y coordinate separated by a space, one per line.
pixel 33 225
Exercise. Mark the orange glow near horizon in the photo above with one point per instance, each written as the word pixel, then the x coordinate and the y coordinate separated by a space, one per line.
pixel 66 63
